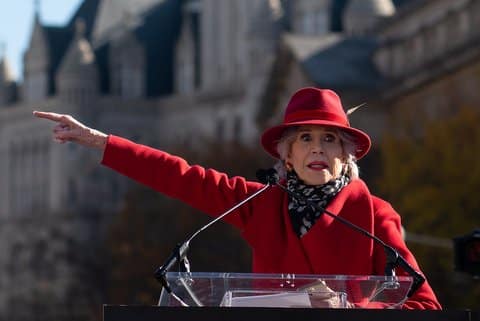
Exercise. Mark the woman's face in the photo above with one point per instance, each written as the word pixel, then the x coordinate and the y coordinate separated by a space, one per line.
pixel 316 154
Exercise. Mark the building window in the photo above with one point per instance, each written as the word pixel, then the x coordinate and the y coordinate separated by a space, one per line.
pixel 308 23
pixel 128 61
pixel 196 19
pixel 35 87
pixel 464 24
pixel 71 191
pixel 418 48
pixel 474 9
pixel 220 130
pixel 452 24
pixel 237 129
pixel 440 38
pixel 398 59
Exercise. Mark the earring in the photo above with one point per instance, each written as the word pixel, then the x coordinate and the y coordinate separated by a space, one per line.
pixel 288 166
pixel 344 169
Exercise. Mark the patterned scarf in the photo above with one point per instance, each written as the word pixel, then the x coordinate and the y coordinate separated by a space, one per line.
pixel 303 216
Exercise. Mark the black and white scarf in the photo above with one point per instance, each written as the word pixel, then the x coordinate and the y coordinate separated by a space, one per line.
pixel 302 215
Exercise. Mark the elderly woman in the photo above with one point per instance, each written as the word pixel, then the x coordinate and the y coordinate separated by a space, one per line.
pixel 317 151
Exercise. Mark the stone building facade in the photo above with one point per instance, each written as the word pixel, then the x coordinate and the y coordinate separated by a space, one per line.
pixel 433 63
pixel 164 73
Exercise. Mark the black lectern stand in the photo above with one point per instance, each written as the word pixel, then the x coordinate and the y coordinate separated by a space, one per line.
pixel 155 313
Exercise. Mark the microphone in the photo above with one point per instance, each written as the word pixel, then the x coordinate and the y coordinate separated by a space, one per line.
pixel 394 259
pixel 179 253
pixel 267 176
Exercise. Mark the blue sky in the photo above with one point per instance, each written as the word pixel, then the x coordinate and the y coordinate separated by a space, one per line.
pixel 16 18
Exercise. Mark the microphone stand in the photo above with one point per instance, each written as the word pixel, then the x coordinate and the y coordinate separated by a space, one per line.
pixel 179 253
pixel 394 259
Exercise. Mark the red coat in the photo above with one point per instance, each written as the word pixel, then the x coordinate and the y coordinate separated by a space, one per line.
pixel 329 247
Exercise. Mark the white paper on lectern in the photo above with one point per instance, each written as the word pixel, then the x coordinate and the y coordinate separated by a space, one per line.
pixel 287 300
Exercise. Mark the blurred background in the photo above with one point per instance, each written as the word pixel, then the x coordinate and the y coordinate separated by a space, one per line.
pixel 202 79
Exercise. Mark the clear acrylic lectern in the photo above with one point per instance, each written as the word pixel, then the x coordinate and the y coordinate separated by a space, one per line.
pixel 285 290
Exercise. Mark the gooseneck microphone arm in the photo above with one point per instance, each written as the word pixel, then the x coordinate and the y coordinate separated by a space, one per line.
pixel 179 253
pixel 394 259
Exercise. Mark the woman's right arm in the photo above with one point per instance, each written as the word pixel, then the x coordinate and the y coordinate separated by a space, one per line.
pixel 208 190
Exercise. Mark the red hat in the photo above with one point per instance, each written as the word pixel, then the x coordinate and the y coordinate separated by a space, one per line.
pixel 313 106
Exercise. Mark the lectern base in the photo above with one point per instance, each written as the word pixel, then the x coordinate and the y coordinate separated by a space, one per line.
pixel 155 313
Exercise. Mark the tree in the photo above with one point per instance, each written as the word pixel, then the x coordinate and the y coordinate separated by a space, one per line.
pixel 431 178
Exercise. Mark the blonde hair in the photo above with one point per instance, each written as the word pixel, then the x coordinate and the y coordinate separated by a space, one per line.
pixel 348 143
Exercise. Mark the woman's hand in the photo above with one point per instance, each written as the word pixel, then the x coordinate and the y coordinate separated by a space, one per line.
pixel 69 129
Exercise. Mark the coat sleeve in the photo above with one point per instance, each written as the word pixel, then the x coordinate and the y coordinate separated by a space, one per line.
pixel 388 228
pixel 204 189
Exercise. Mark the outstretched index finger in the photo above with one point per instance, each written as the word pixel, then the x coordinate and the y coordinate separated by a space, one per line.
pixel 48 115
pixel 59 118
